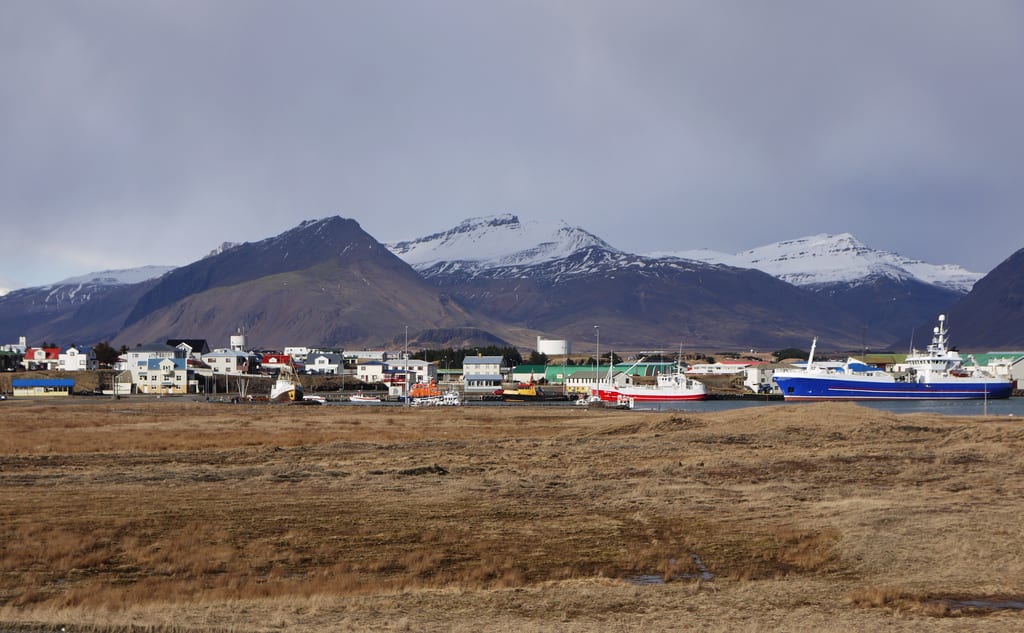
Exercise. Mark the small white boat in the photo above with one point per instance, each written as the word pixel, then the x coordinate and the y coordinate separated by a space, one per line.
pixel 359 397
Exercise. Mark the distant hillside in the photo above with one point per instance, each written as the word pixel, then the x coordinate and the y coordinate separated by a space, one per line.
pixel 890 293
pixel 991 316
pixel 325 282
pixel 83 310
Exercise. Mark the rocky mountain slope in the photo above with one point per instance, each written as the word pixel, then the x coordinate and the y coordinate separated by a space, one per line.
pixel 991 316
pixel 325 282
pixel 566 281
pixel 85 309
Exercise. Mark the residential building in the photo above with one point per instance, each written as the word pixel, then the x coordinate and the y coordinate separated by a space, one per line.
pixel 366 355
pixel 760 377
pixel 272 363
pixel 41 358
pixel 482 374
pixel 143 353
pixel 329 363
pixel 418 370
pixel 298 354
pixel 191 347
pixel 229 361
pixel 370 372
pixel 76 358
pixel 163 376
pixel 719 369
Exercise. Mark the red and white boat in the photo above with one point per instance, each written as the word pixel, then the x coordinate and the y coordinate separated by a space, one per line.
pixel 674 387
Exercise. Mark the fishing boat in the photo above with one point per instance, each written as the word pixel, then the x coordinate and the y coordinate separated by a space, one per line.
pixel 449 398
pixel 287 387
pixel 428 394
pixel 668 387
pixel 529 392
pixel 937 373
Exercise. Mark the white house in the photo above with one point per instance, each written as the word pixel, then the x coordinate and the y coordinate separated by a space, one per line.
pixel 325 363
pixel 161 376
pixel 482 374
pixel 190 347
pixel 142 354
pixel 760 378
pixel 418 370
pixel 366 355
pixel 370 372
pixel 718 369
pixel 229 361
pixel 77 358
pixel 298 354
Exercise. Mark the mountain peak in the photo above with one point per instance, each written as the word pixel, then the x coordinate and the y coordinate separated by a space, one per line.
pixel 826 259
pixel 497 241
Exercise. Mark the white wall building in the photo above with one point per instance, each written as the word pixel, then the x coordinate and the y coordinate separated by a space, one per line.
pixel 482 374
pixel 228 361
pixel 77 358
pixel 298 354
pixel 366 355
pixel 325 363
pixel 759 379
pixel 418 370
pixel 370 372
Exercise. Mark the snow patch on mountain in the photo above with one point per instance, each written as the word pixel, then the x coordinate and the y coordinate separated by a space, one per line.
pixel 495 242
pixel 828 259
pixel 116 277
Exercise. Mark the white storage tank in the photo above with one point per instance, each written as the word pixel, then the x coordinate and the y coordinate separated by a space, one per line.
pixel 552 347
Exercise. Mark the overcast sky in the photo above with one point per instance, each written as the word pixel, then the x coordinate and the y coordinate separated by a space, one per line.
pixel 137 132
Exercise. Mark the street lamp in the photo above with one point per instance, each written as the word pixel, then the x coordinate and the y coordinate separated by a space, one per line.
pixel 597 371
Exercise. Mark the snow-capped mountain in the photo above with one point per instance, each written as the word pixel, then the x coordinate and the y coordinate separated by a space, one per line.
pixel 83 308
pixel 824 260
pixel 116 277
pixel 491 242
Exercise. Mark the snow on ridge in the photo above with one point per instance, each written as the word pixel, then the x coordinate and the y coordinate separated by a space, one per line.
pixel 829 259
pixel 496 241
pixel 118 277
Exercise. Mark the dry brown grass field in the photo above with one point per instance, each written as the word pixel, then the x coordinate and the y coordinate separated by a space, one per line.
pixel 173 515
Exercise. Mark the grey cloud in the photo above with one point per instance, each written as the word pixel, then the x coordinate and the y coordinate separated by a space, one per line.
pixel 658 125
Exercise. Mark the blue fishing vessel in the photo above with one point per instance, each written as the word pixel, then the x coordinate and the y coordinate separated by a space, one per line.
pixel 935 374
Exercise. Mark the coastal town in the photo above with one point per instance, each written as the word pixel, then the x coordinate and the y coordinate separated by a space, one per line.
pixel 189 366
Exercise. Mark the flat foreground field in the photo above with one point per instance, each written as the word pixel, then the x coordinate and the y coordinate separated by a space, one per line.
pixel 173 515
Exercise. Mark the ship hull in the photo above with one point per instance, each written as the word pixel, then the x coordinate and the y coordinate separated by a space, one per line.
pixel 652 395
pixel 829 388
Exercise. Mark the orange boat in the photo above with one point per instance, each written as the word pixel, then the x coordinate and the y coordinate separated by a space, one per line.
pixel 425 390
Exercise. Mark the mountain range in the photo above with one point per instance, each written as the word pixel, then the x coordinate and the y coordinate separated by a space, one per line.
pixel 496 279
